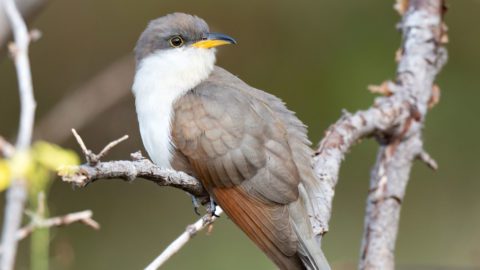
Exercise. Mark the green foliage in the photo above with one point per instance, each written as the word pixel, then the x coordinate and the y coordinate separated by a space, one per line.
pixel 5 175
pixel 36 165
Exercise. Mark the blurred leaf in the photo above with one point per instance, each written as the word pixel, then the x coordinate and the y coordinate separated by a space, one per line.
pixel 48 158
pixel 20 164
pixel 5 175
pixel 53 156
pixel 39 178
pixel 36 165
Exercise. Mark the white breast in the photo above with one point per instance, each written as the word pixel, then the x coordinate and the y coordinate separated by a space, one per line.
pixel 161 78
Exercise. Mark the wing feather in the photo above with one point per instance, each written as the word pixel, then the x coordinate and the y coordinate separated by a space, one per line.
pixel 240 143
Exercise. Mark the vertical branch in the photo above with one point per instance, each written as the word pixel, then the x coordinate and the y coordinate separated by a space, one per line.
pixel 29 10
pixel 17 193
pixel 22 66
pixel 388 183
pixel 422 59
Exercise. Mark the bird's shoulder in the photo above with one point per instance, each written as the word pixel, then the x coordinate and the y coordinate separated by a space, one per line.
pixel 221 85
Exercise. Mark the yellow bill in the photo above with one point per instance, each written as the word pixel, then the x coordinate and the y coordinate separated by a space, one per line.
pixel 213 40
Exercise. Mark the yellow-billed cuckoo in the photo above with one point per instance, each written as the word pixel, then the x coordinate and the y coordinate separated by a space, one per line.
pixel 249 151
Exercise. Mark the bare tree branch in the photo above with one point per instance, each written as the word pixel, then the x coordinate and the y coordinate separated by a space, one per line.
pixel 129 170
pixel 393 117
pixel 139 167
pixel 17 193
pixel 28 9
pixel 183 239
pixel 342 135
pixel 84 217
pixel 423 57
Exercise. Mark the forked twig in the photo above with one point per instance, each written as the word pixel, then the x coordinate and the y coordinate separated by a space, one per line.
pixel 91 157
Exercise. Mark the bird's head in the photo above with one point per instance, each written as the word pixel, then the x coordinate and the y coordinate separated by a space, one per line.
pixel 178 34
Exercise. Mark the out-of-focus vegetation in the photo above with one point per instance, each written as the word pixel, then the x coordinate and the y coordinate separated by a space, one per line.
pixel 318 56
pixel 39 166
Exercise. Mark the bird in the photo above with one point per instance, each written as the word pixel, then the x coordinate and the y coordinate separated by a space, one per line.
pixel 250 152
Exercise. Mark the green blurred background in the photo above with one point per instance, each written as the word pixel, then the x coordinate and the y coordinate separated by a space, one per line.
pixel 318 56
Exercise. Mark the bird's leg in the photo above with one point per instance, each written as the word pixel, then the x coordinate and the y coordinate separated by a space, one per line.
pixel 211 207
pixel 196 204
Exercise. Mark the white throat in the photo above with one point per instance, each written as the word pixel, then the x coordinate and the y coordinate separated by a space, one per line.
pixel 160 80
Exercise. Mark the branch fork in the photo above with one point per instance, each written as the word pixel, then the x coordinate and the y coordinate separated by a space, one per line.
pixel 92 158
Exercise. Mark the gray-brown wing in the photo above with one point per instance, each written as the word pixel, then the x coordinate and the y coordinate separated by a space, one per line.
pixel 238 147
pixel 303 157
pixel 232 138
pixel 301 152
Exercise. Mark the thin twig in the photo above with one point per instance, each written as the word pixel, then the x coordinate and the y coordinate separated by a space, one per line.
pixel 80 142
pixel 92 158
pixel 176 245
pixel 17 193
pixel 427 159
pixel 22 65
pixel 84 217
pixel 28 8
pixel 109 146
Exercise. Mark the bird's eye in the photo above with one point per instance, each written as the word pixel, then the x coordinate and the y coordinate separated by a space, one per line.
pixel 176 41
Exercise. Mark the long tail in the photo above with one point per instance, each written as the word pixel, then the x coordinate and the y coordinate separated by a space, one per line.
pixel 309 245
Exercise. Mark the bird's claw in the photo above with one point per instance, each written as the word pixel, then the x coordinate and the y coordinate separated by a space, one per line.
pixel 212 206
pixel 195 209
pixel 196 205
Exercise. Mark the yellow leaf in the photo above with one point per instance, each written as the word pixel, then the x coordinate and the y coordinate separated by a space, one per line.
pixel 53 156
pixel 20 164
pixel 39 178
pixel 5 175
pixel 36 165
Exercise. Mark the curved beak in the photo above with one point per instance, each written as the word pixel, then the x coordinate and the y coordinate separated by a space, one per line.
pixel 214 40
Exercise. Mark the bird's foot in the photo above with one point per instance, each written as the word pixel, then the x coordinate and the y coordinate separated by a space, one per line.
pixel 211 207
pixel 196 204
